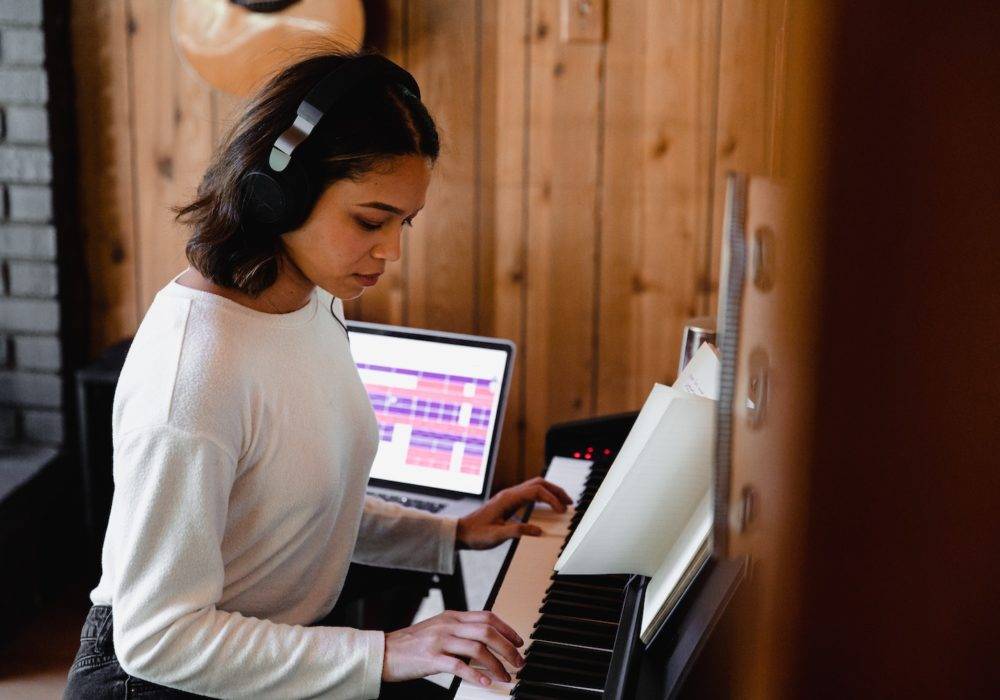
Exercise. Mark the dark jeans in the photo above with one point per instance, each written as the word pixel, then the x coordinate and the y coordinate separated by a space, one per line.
pixel 96 673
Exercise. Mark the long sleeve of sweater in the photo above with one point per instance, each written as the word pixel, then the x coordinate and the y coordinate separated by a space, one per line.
pixel 394 536
pixel 167 528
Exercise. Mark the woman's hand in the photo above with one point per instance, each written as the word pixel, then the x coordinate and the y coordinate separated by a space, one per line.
pixel 488 526
pixel 435 645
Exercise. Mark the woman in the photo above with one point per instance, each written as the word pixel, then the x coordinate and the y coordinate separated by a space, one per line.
pixel 243 435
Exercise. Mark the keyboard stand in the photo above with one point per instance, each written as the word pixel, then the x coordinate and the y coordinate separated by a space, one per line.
pixel 363 603
pixel 452 587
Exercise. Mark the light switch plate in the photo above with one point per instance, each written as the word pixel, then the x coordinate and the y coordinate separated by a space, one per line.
pixel 582 20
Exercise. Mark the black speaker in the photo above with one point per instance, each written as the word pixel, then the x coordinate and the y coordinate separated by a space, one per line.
pixel 95 388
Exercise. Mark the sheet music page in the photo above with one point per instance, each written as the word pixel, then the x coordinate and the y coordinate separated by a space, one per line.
pixel 655 498
pixel 663 582
pixel 701 374
pixel 656 403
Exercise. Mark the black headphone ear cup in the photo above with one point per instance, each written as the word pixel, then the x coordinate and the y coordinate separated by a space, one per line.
pixel 276 202
pixel 266 203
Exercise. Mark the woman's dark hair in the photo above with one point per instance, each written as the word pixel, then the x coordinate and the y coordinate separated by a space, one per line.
pixel 370 125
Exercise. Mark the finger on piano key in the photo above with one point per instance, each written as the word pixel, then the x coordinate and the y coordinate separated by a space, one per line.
pixel 488 617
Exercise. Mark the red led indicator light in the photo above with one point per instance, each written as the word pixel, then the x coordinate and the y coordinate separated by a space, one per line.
pixel 607 451
pixel 577 455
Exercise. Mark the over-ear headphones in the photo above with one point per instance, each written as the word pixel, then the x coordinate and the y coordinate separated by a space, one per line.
pixel 278 194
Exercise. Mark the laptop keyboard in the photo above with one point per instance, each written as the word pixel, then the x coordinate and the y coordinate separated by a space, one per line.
pixel 429 506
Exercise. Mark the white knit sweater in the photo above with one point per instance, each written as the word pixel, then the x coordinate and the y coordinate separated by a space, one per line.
pixel 242 445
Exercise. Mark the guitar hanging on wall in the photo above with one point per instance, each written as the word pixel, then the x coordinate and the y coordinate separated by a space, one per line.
pixel 233 45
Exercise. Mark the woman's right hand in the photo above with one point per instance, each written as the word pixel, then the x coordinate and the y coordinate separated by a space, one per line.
pixel 435 645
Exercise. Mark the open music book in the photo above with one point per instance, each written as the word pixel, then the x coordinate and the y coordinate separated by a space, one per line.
pixel 653 513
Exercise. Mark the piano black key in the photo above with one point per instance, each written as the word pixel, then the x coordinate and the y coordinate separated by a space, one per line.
pixel 618 580
pixel 565 632
pixel 598 627
pixel 591 659
pixel 574 596
pixel 545 672
pixel 593 609
pixel 585 593
pixel 589 612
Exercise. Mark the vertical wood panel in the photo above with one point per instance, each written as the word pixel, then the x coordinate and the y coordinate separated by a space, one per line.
pixel 562 228
pixel 662 60
pixel 441 264
pixel 680 84
pixel 485 165
pixel 751 58
pixel 172 139
pixel 622 215
pixel 105 193
pixel 510 212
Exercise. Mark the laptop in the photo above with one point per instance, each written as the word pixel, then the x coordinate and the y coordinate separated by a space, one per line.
pixel 440 400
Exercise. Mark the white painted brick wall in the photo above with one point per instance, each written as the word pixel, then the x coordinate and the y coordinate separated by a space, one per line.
pixel 25 164
pixel 23 85
pixel 31 383
pixel 32 279
pixel 29 315
pixel 33 389
pixel 29 203
pixel 37 352
pixel 25 47
pixel 21 12
pixel 27 241
pixel 26 124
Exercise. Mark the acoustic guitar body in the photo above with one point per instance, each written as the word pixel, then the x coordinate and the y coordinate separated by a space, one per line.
pixel 234 46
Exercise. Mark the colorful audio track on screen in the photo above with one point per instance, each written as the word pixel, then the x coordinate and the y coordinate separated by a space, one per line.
pixel 440 421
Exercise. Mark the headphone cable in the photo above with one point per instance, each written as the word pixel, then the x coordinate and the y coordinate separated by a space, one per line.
pixel 337 319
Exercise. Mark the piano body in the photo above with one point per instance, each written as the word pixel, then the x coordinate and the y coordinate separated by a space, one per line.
pixel 582 632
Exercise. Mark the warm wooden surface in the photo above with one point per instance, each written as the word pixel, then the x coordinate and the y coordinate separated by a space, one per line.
pixel 778 331
pixel 575 208
pixel 107 185
pixel 563 128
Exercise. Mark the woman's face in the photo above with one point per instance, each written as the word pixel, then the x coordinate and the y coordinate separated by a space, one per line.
pixel 356 225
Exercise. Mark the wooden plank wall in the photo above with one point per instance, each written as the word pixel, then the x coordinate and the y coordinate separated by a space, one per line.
pixel 575 208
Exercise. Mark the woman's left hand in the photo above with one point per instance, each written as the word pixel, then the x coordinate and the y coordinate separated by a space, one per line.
pixel 489 526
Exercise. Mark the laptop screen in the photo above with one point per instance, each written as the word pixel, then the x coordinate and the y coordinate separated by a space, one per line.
pixel 439 400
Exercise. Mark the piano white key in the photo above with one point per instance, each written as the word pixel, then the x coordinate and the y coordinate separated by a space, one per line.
pixel 471 691
pixel 530 569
